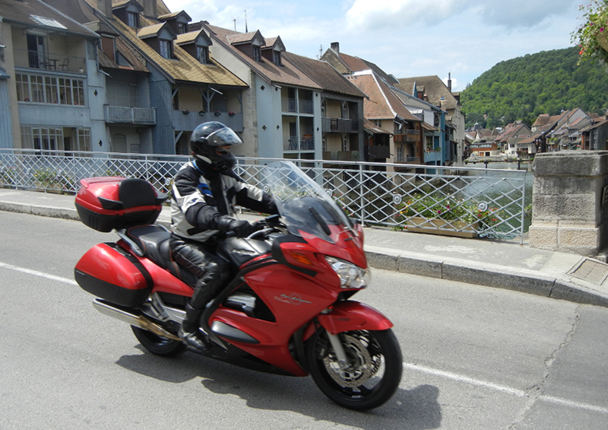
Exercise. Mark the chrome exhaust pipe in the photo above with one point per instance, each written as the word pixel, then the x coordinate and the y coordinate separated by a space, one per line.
pixel 132 319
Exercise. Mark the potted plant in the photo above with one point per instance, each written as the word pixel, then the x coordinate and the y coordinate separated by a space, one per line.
pixel 591 35
pixel 231 113
pixel 186 112
pixel 217 113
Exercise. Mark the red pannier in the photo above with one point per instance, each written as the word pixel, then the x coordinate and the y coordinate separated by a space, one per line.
pixel 110 272
pixel 109 203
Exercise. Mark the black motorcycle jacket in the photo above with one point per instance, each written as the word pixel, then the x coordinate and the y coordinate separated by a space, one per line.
pixel 202 197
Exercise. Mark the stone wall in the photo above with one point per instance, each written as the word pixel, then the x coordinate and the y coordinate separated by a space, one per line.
pixel 569 200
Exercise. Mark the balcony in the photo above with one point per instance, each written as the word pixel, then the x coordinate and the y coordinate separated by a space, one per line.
pixel 297 106
pixel 408 136
pixel 295 143
pixel 339 125
pixel 49 61
pixel 185 120
pixel 129 115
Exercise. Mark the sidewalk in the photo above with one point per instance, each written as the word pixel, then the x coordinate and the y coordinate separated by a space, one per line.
pixel 499 264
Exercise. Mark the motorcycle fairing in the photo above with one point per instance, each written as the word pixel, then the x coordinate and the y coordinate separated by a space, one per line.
pixel 350 316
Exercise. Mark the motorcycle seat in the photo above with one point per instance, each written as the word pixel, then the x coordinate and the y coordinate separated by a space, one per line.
pixel 154 243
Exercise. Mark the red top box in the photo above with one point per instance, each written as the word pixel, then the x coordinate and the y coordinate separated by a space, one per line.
pixel 108 203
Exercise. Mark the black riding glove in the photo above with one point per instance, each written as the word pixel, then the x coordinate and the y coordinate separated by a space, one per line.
pixel 241 228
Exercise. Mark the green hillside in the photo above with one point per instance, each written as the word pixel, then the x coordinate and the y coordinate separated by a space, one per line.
pixel 525 87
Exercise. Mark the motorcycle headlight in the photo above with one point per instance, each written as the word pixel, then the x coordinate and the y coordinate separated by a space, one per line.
pixel 351 276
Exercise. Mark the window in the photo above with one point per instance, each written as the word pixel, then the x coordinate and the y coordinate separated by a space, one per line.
pixel 49 90
pixel 256 53
pixel 202 54
pixel 165 49
pixel 132 19
pixel 83 142
pixel 41 138
pixel 276 58
pixel 53 139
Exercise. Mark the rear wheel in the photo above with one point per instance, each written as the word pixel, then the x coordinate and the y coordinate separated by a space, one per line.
pixel 158 345
pixel 372 373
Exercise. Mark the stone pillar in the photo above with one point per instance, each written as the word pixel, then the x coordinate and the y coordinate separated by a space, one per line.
pixel 569 197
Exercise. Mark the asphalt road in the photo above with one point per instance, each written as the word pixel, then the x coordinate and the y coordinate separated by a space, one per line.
pixel 474 357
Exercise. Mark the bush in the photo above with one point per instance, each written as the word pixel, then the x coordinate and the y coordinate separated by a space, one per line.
pixel 449 209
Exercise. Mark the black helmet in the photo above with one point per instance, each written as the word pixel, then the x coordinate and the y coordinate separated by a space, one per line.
pixel 210 142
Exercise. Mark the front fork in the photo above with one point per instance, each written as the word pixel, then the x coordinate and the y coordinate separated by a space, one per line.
pixel 336 344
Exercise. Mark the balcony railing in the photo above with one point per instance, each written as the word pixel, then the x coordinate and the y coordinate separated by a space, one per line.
pixel 295 143
pixel 306 106
pixel 410 136
pixel 130 115
pixel 340 125
pixel 298 106
pixel 49 61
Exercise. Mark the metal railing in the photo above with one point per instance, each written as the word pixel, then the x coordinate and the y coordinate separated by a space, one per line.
pixel 129 115
pixel 434 199
pixel 50 61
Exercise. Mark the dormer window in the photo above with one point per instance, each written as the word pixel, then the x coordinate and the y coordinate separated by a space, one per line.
pixel 202 54
pixel 272 50
pixel 165 49
pixel 256 53
pixel 160 38
pixel 196 44
pixel 132 19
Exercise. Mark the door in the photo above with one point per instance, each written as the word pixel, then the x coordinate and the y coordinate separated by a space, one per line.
pixel 36 51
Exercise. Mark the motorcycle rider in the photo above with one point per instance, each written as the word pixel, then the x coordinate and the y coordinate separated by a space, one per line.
pixel 203 196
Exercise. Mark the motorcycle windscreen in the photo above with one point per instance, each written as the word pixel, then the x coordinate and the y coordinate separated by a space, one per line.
pixel 302 203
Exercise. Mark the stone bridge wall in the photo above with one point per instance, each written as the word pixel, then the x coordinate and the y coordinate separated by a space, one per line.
pixel 570 202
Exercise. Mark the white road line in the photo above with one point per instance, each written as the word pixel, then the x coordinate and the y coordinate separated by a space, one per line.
pixel 465 379
pixel 572 404
pixel 40 274
pixel 503 388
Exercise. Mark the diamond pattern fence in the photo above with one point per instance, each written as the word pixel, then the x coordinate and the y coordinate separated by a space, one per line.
pixel 444 200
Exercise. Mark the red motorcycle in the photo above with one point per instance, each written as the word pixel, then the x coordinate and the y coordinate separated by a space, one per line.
pixel 287 309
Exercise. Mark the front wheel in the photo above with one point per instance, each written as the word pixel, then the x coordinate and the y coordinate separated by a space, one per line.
pixel 158 345
pixel 372 373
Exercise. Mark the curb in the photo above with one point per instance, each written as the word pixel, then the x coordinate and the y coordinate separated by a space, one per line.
pixel 47 211
pixel 494 276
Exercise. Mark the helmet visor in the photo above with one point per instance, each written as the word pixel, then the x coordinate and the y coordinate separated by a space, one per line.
pixel 223 137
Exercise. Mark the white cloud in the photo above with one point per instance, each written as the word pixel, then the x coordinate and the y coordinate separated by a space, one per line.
pixel 378 14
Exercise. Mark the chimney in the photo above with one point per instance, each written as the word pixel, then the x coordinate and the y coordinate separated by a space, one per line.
pixel 450 82
pixel 149 8
pixel 105 7
pixel 335 46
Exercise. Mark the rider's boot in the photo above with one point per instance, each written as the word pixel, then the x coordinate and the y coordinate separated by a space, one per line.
pixel 189 331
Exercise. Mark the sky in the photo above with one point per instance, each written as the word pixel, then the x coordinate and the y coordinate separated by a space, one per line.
pixel 406 38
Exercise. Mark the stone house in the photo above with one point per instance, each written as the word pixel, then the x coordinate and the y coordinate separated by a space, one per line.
pixel 146 81
pixel 291 101
pixel 49 80
pixel 433 90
